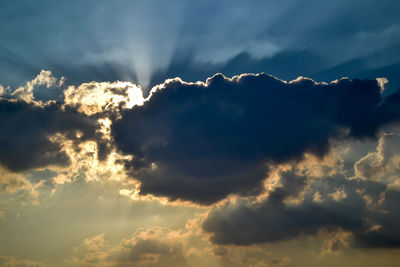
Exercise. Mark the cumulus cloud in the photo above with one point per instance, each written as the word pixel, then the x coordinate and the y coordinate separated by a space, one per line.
pixel 382 165
pixel 46 129
pixel 272 220
pixel 364 211
pixel 33 89
pixel 27 128
pixel 204 141
pixel 34 118
pixel 157 246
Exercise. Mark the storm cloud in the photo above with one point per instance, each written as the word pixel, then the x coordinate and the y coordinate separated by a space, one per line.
pixel 204 141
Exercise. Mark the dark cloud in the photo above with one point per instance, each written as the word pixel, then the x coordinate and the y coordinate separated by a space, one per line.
pixel 26 128
pixel 388 218
pixel 373 223
pixel 202 142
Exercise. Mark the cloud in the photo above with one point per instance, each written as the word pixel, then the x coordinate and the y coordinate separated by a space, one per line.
pixel 365 211
pixel 12 262
pixel 43 87
pixel 3 90
pixel 44 78
pixel 95 243
pixel 36 116
pixel 27 128
pixel 204 141
pixel 382 165
pixel 157 246
pixel 17 189
pixel 272 220
pixel 91 98
pixel 47 123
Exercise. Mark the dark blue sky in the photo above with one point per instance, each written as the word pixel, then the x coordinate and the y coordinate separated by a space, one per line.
pixel 149 41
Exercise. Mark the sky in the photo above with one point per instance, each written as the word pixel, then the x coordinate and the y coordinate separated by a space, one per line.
pixel 192 133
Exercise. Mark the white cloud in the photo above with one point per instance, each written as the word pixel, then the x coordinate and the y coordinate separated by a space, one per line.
pixel 382 165
pixel 91 98
pixel 44 78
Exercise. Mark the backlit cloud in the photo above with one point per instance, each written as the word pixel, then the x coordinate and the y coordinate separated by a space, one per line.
pixel 363 209
pixel 204 141
pixel 92 98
